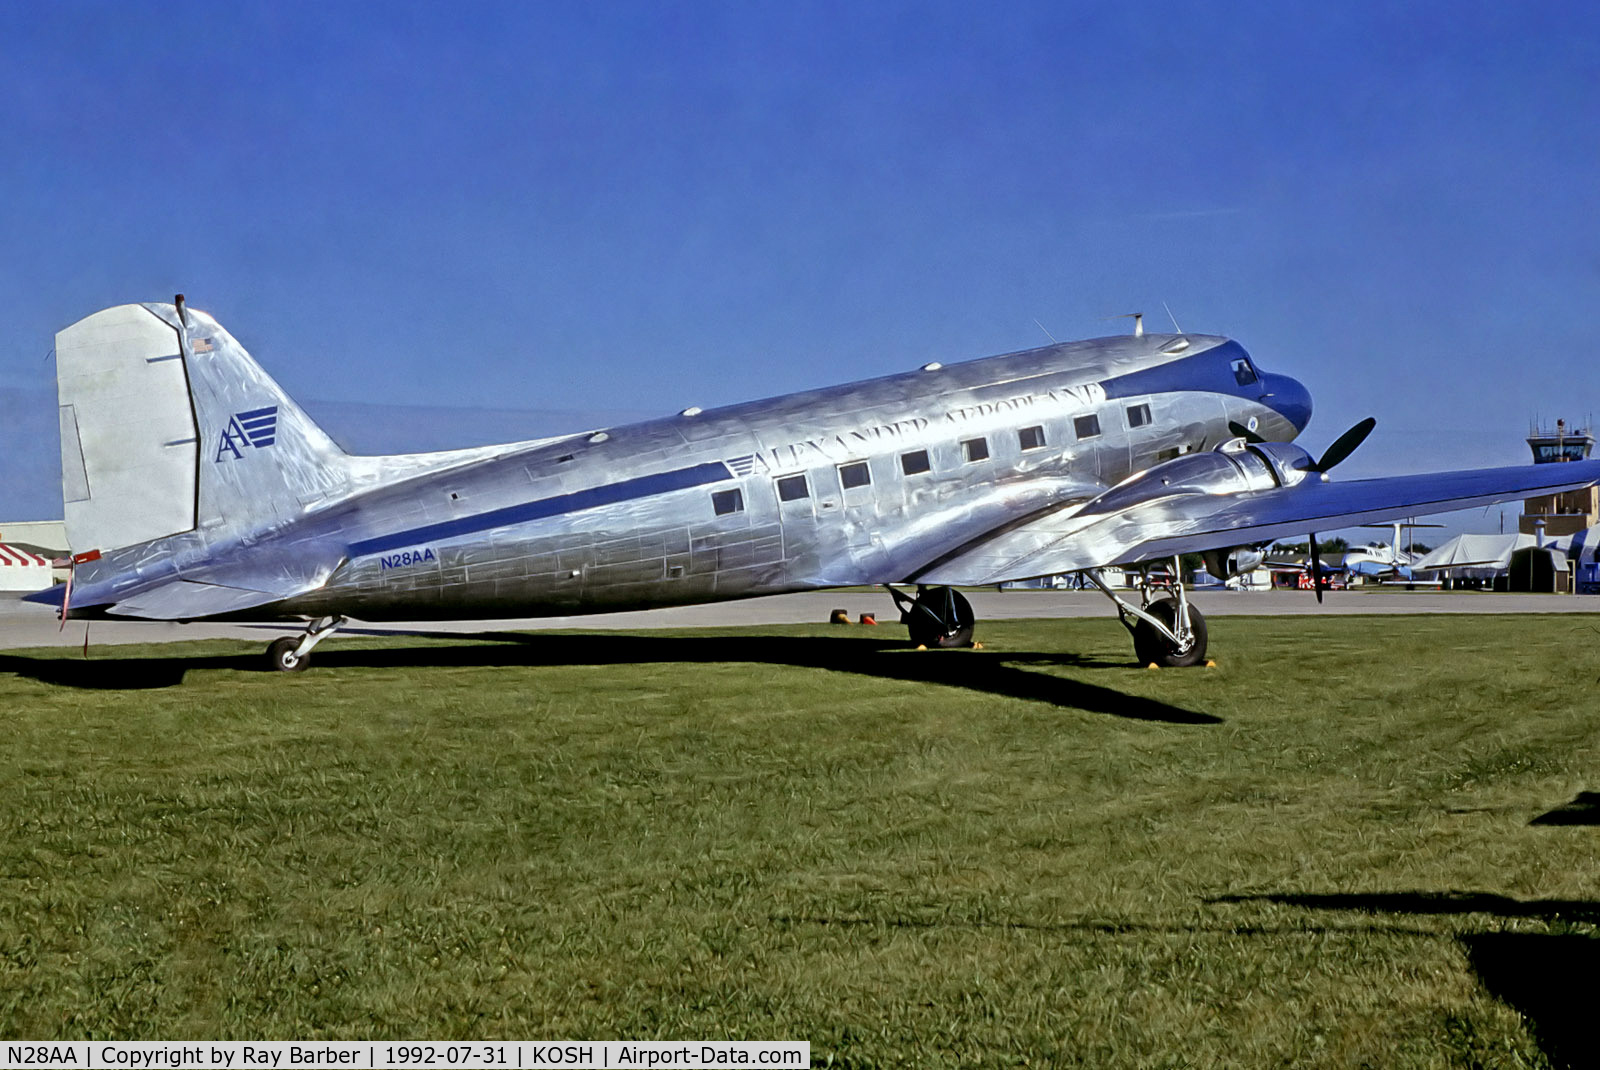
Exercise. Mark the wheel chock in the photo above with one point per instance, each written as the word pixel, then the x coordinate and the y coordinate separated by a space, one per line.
pixel 869 618
pixel 1153 666
pixel 977 646
pixel 1211 664
pixel 922 646
pixel 839 616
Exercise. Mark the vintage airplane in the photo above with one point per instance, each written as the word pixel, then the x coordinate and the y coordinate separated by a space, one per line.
pixel 196 489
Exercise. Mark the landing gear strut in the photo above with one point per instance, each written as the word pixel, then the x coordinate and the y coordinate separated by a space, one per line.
pixel 293 653
pixel 937 616
pixel 1166 631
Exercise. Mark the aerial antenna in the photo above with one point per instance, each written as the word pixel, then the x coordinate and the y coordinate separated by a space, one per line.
pixel 1046 330
pixel 1173 318
pixel 1138 322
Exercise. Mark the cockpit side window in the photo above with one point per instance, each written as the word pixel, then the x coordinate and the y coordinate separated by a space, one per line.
pixel 1244 373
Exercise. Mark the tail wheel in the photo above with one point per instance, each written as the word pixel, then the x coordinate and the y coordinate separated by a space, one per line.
pixel 1150 645
pixel 281 655
pixel 940 616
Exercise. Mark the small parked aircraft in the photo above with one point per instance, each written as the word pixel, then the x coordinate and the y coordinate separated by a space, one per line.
pixel 1388 563
pixel 195 489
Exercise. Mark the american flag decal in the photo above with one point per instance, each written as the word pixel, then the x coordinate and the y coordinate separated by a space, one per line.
pixel 201 345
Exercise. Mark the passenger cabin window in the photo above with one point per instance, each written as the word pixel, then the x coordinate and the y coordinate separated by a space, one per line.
pixel 793 488
pixel 728 501
pixel 1086 426
pixel 975 449
pixel 1138 415
pixel 915 462
pixel 856 474
pixel 1031 438
pixel 1243 373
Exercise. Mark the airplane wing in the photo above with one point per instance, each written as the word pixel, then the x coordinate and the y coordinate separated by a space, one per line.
pixel 1193 519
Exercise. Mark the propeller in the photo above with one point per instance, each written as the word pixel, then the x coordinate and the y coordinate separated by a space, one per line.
pixel 1239 430
pixel 1342 447
pixel 1345 445
pixel 1316 568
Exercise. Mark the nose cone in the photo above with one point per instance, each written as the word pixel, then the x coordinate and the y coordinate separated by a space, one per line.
pixel 1289 398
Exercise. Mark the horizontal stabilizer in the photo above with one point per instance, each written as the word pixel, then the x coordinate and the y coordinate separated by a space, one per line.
pixel 188 600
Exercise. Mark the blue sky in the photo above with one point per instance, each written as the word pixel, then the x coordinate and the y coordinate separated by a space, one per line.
pixel 632 208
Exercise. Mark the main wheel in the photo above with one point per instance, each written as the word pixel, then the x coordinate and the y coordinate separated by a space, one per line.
pixel 1150 645
pixel 281 655
pixel 941 616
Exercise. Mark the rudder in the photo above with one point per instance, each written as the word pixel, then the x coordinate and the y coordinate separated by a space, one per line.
pixel 128 436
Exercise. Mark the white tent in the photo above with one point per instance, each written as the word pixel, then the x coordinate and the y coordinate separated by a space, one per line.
pixel 1470 554
pixel 1584 546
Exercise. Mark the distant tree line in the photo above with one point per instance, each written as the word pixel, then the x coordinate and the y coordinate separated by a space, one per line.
pixel 1335 545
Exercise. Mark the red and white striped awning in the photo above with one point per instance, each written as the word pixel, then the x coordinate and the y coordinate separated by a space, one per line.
pixel 14 557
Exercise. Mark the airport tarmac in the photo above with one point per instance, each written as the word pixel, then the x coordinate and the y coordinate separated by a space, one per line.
pixel 24 624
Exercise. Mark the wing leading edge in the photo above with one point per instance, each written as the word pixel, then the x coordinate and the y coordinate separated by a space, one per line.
pixel 1192 520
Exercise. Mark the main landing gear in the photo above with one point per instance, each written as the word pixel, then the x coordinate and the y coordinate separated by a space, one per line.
pixel 1167 631
pixel 936 617
pixel 293 653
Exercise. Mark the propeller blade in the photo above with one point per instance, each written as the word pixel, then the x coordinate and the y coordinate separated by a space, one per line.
pixel 1316 569
pixel 1346 444
pixel 1239 430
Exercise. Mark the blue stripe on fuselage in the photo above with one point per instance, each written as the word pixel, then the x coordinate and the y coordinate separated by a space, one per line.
pixel 1210 371
pixel 609 494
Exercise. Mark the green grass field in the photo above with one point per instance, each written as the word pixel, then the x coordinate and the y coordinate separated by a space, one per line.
pixel 1327 851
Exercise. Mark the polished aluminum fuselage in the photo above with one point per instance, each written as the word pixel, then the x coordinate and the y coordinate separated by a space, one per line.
pixel 627 518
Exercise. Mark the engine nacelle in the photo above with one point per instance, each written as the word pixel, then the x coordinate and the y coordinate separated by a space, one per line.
pixel 1226 564
pixel 1231 468
pixel 1224 470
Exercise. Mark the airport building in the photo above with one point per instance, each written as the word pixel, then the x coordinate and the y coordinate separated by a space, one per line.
pixel 1557 543
pixel 28 550
pixel 1558 515
pixel 1562 524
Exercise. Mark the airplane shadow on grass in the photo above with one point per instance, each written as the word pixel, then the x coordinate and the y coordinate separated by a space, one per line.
pixel 982 671
pixel 1583 810
pixel 1547 977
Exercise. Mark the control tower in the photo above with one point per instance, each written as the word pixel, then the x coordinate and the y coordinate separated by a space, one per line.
pixel 1562 514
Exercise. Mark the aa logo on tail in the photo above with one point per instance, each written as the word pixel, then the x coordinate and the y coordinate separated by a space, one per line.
pixel 257 428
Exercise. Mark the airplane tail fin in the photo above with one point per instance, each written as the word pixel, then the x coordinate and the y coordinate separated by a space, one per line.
pixel 168 425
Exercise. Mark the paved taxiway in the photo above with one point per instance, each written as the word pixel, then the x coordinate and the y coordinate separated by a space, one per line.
pixel 24 624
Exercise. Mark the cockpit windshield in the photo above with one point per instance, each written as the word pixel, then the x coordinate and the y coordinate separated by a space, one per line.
pixel 1244 373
